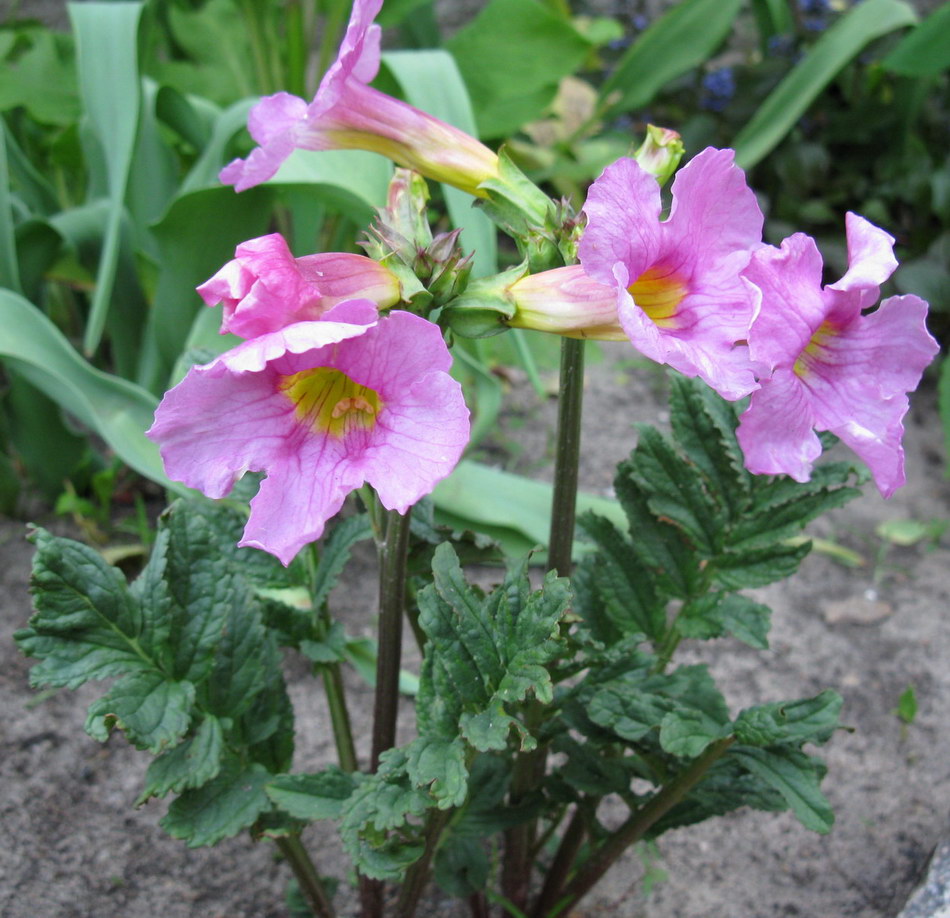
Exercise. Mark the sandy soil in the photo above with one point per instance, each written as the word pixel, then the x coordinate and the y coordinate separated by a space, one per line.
pixel 76 848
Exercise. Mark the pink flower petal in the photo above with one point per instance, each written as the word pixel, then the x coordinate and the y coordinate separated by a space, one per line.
pixel 234 415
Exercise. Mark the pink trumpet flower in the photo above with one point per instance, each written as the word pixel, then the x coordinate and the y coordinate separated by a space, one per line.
pixel 263 288
pixel 347 114
pixel 676 282
pixel 321 407
pixel 829 363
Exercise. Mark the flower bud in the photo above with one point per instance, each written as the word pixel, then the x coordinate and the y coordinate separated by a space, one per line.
pixel 660 153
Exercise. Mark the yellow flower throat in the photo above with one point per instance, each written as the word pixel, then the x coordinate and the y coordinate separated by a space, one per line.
pixel 330 402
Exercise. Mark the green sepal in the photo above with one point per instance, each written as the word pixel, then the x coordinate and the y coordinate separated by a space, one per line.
pixel 220 809
pixel 486 307
pixel 312 796
pixel 193 762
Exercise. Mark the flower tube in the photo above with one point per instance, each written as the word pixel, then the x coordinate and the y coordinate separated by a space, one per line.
pixel 321 407
pixel 348 114
pixel 827 363
pixel 263 288
pixel 676 282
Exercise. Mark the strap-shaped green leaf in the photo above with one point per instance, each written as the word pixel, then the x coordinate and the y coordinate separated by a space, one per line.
pixel 836 47
pixel 117 410
pixel 926 50
pixel 107 61
pixel 682 38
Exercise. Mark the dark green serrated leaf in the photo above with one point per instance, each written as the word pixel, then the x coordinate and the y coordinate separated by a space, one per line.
pixel 243 660
pixel 331 649
pixel 808 720
pixel 441 767
pixel 484 652
pixel 624 585
pixel 312 796
pixel 336 554
pixel 726 787
pixel 781 506
pixel 192 763
pixel 796 776
pixel 704 427
pixel 152 711
pixel 221 808
pixel 267 727
pixel 716 614
pixel 757 567
pixel 674 492
pixel 688 733
pixel 201 587
pixel 662 547
pixel 380 803
pixel 87 624
pixel 589 771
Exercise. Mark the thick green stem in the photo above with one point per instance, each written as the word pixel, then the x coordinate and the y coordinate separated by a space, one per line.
pixel 392 599
pixel 564 501
pixel 310 883
pixel 339 717
pixel 639 823
pixel 529 767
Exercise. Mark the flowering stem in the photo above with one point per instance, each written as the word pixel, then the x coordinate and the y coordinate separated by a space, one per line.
pixel 564 502
pixel 636 826
pixel 310 883
pixel 529 767
pixel 339 717
pixel 392 595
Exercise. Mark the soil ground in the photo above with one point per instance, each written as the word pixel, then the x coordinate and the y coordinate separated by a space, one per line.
pixel 74 846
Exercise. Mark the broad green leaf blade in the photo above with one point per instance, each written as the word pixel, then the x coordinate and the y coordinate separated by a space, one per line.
pixel 117 410
pixel 926 50
pixel 807 720
pixel 152 711
pixel 312 796
pixel 204 173
pixel 512 57
pixel 190 764
pixel 797 777
pixel 682 38
pixel 484 653
pixel 87 625
pixel 431 81
pixel 9 269
pixel 220 809
pixel 791 98
pixel 107 61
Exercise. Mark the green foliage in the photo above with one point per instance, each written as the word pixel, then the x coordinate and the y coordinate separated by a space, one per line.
pixel 199 683
pixel 484 656
pixel 906 708
pixel 512 56
pixel 704 528
pixel 681 39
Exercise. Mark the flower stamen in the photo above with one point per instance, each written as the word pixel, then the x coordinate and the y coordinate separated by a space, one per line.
pixel 330 402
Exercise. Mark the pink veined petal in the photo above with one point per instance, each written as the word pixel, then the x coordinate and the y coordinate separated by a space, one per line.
pixel 306 484
pixel 274 116
pixel 792 306
pixel 775 431
pixel 623 210
pixel 233 415
pixel 871 258
pixel 715 220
